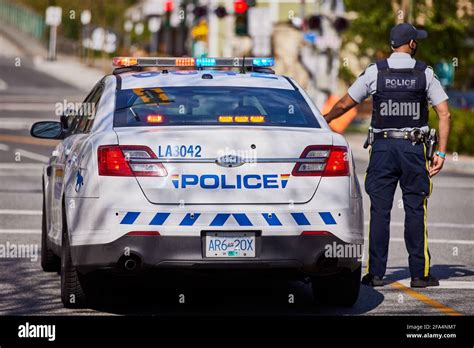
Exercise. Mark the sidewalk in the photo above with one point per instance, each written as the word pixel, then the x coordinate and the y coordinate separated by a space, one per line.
pixel 68 69
pixel 463 164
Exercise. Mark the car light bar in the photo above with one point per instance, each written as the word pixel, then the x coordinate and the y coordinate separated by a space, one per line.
pixel 242 119
pixel 121 62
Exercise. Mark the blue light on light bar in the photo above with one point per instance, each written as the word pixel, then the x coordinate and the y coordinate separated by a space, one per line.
pixel 263 62
pixel 205 62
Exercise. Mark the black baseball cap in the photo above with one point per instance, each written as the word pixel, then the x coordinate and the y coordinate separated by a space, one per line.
pixel 402 34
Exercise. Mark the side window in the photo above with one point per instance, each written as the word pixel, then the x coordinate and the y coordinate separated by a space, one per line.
pixel 93 109
pixel 84 118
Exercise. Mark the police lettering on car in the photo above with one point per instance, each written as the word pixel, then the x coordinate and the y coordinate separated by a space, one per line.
pixel 402 145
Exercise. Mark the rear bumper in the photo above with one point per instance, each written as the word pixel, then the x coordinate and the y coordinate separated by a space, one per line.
pixel 302 254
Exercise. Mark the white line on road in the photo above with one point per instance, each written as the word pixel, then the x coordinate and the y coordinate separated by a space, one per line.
pixel 19 231
pixel 4 147
pixel 17 123
pixel 33 155
pixel 3 85
pixel 21 166
pixel 19 212
pixel 435 225
pixel 446 284
pixel 437 241
pixel 27 106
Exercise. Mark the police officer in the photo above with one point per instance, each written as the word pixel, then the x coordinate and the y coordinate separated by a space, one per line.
pixel 401 88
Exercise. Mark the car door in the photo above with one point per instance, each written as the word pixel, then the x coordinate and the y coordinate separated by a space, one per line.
pixel 64 162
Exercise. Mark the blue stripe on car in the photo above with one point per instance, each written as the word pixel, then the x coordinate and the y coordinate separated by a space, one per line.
pixel 271 219
pixel 242 220
pixel 327 218
pixel 219 220
pixel 159 218
pixel 300 219
pixel 189 219
pixel 129 218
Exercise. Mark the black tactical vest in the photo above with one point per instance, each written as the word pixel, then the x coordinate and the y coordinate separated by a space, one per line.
pixel 400 100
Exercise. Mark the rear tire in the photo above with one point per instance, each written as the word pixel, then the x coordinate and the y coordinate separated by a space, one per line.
pixel 50 262
pixel 341 289
pixel 73 294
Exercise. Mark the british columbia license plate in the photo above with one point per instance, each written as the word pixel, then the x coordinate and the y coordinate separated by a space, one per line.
pixel 230 244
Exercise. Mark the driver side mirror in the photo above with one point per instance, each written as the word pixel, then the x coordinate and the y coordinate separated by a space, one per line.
pixel 47 130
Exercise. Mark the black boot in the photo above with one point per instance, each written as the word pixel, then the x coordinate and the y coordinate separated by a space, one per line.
pixel 372 280
pixel 423 282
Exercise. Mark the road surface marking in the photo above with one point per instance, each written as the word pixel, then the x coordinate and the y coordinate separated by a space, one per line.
pixel 21 139
pixel 19 231
pixel 3 85
pixel 33 155
pixel 425 299
pixel 21 166
pixel 19 212
pixel 4 147
pixel 436 241
pixel 435 225
pixel 12 123
pixel 446 284
pixel 6 106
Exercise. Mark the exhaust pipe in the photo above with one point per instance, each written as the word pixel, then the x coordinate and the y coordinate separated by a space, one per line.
pixel 130 264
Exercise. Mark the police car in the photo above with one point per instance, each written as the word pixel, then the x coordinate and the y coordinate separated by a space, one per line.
pixel 206 163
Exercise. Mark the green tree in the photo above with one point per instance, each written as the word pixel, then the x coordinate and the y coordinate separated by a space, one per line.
pixel 449 27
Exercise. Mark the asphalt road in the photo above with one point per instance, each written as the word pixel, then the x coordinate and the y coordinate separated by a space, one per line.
pixel 27 95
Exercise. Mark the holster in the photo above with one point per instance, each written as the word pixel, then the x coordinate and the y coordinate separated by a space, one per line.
pixel 431 143
pixel 370 138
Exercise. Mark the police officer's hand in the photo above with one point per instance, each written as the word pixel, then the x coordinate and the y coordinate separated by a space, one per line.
pixel 436 165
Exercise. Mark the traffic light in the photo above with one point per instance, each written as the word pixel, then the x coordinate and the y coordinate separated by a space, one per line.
pixel 240 12
pixel 220 12
pixel 314 22
pixel 341 24
pixel 200 11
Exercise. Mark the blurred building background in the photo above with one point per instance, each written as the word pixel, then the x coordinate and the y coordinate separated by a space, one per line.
pixel 323 44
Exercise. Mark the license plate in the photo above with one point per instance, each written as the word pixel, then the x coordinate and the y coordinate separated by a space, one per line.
pixel 230 244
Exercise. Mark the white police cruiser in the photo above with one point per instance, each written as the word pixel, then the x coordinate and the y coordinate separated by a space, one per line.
pixel 205 163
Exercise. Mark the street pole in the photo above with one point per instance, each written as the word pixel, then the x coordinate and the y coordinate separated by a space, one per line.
pixel 213 33
pixel 52 43
pixel 229 29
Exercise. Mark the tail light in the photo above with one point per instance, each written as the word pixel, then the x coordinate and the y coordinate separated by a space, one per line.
pixel 327 161
pixel 143 233
pixel 114 160
pixel 315 233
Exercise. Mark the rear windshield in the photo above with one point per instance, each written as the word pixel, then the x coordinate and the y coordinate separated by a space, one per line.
pixel 174 106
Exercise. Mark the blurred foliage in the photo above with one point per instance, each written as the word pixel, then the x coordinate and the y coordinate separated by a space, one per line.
pixel 449 37
pixel 105 13
pixel 462 128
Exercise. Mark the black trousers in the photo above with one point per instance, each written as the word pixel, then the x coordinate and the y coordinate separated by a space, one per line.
pixel 394 161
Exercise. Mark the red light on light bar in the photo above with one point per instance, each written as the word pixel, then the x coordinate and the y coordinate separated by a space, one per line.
pixel 155 118
pixel 315 233
pixel 124 61
pixel 185 62
pixel 143 233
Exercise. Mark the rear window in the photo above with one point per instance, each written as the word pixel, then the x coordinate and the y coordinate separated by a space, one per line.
pixel 174 106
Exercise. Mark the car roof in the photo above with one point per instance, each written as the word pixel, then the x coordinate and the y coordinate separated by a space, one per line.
pixel 185 78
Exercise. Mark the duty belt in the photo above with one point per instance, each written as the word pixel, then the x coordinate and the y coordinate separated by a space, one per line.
pixel 415 136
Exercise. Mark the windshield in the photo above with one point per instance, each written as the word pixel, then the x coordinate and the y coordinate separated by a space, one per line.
pixel 172 106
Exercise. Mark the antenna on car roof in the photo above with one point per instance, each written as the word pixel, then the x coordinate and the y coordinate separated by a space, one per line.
pixel 242 69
